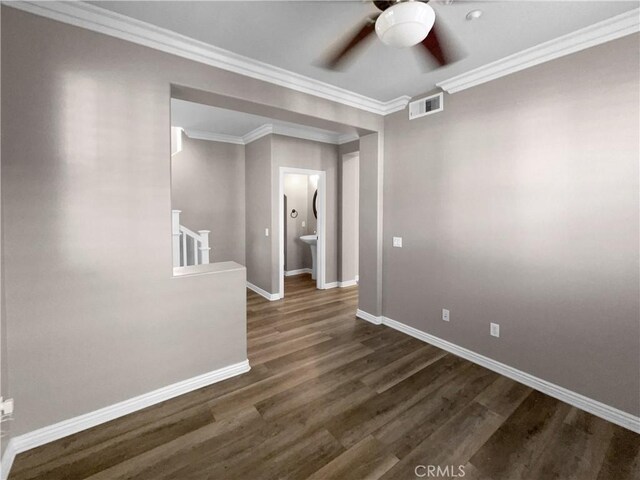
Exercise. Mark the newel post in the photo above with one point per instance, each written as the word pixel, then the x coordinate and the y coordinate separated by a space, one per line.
pixel 204 246
pixel 175 235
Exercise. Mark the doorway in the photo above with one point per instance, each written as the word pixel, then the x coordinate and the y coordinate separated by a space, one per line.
pixel 318 203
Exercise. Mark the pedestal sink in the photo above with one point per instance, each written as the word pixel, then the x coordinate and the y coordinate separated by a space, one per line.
pixel 312 241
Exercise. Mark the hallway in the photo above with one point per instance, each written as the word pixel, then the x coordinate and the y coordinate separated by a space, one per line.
pixel 330 396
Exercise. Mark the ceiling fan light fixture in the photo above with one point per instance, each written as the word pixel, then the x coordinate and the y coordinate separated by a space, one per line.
pixel 405 24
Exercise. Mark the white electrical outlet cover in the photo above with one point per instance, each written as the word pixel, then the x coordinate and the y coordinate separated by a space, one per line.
pixel 397 242
pixel 445 314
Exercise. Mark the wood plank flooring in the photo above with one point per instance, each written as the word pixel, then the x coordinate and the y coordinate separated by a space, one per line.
pixel 333 397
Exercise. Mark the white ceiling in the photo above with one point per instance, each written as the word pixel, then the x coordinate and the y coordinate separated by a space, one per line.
pixel 295 35
pixel 197 119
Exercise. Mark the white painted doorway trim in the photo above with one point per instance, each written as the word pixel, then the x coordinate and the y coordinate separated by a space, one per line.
pixel 321 229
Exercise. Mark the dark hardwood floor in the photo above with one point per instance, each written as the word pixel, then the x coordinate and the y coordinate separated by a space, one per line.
pixel 333 397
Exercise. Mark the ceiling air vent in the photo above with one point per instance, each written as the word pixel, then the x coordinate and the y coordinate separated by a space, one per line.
pixel 426 106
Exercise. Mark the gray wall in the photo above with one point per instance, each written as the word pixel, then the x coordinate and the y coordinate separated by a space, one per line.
pixel 312 221
pixel 258 213
pixel 343 150
pixel 297 253
pixel 519 205
pixel 370 225
pixel 93 314
pixel 312 111
pixel 6 427
pixel 349 219
pixel 207 184
pixel 272 152
pixel 298 153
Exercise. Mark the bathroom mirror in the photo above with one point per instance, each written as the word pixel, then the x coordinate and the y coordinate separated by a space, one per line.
pixel 315 206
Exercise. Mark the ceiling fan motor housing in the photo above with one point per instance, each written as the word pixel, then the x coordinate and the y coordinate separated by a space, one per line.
pixel 405 24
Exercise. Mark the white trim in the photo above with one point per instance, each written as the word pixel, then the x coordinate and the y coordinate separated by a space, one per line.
pixel 120 26
pixel 7 460
pixel 44 435
pixel 269 296
pixel 347 283
pixel 253 135
pixel 306 134
pixel 97 19
pixel 615 27
pixel 268 129
pixel 321 224
pixel 213 137
pixel 300 271
pixel 348 137
pixel 587 404
pixel 368 317
pixel 395 105
pixel 298 132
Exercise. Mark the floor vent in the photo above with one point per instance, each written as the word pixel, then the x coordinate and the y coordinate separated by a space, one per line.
pixel 426 106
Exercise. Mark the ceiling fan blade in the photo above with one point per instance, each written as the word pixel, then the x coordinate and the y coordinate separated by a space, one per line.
pixel 433 46
pixel 441 46
pixel 383 4
pixel 338 57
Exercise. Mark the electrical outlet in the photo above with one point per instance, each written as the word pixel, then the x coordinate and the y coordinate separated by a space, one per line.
pixel 266 232
pixel 445 315
pixel 397 242
pixel 304 224
pixel 495 330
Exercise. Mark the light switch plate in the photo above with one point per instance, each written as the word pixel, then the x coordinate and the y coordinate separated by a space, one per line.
pixel 266 232
pixel 397 242
pixel 495 330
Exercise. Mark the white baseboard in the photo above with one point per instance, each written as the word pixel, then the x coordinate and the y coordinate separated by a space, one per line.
pixel 39 437
pixel 329 285
pixel 291 273
pixel 587 404
pixel 348 283
pixel 368 317
pixel 269 296
pixel 7 460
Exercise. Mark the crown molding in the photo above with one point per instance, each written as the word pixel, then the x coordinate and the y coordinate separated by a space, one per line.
pixel 253 135
pixel 615 27
pixel 396 104
pixel 97 19
pixel 213 137
pixel 303 133
pixel 348 137
pixel 269 129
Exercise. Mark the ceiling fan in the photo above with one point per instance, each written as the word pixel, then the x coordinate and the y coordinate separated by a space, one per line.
pixel 402 23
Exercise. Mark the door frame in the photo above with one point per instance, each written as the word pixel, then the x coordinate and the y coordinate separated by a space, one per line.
pixel 321 229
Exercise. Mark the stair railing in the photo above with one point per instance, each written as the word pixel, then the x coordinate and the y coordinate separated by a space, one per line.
pixel 183 238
